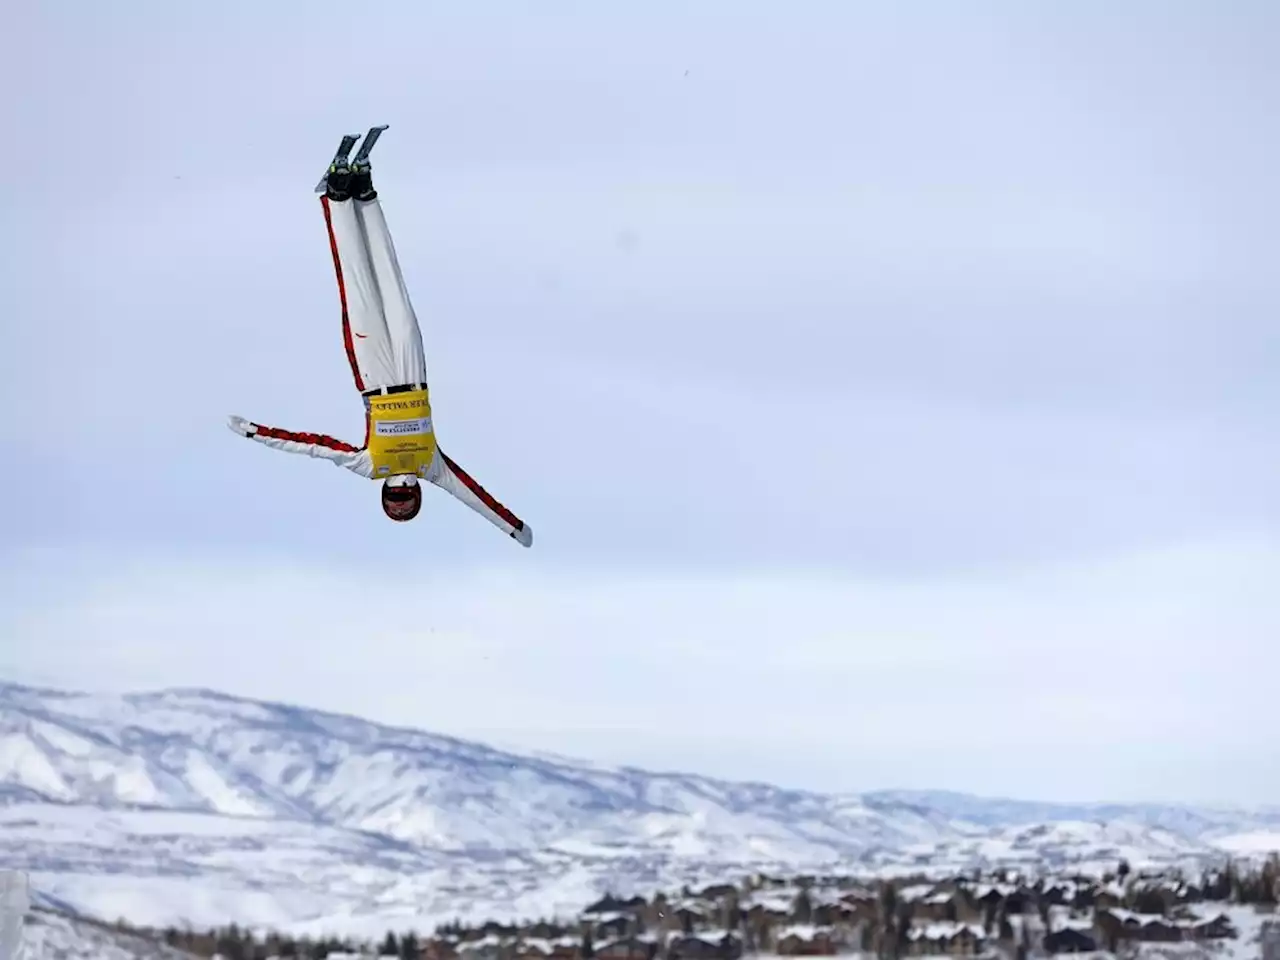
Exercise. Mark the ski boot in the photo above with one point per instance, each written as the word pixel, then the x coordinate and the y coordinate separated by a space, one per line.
pixel 361 182
pixel 345 177
pixel 338 182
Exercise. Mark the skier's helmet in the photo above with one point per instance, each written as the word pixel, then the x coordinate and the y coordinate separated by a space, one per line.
pixel 401 497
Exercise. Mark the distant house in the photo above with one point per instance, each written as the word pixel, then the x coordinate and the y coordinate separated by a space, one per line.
pixel 610 904
pixel 488 947
pixel 1019 900
pixel 1070 935
pixel 1108 896
pixel 686 916
pixel 773 907
pixel 913 893
pixel 1070 941
pixel 826 909
pixel 806 941
pixel 549 948
pixel 1215 927
pixel 936 906
pixel 963 939
pixel 763 881
pixel 532 948
pixel 1117 924
pixel 991 895
pixel 565 948
pixel 859 906
pixel 609 926
pixel 707 945
pixel 545 931
pixel 439 948
pixel 717 892
pixel 857 896
pixel 628 948
pixel 1061 893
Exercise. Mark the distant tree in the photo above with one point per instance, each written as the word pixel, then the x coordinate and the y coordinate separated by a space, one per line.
pixel 409 946
pixel 1232 881
pixel 231 945
pixel 1149 900
pixel 866 937
pixel 990 911
pixel 1269 892
pixel 390 946
pixel 731 911
pixel 802 907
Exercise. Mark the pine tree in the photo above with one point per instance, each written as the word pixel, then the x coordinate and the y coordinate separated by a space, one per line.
pixel 732 911
pixel 390 946
pixel 1270 881
pixel 802 907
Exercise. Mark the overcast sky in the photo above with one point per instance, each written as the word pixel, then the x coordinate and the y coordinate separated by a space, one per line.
pixel 891 388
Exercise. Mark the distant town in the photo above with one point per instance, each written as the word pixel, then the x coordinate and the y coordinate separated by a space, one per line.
pixel 1228 912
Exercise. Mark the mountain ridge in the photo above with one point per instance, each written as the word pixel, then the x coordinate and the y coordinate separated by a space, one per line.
pixel 924 798
pixel 228 801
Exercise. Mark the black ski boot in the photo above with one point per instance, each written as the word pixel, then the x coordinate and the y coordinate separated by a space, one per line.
pixel 338 182
pixel 362 181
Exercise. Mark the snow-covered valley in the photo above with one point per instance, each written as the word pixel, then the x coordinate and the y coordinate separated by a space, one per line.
pixel 192 806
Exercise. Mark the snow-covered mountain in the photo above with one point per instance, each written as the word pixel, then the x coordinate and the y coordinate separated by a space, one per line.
pixel 189 805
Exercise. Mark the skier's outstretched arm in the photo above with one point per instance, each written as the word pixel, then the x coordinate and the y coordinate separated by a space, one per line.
pixel 449 476
pixel 355 459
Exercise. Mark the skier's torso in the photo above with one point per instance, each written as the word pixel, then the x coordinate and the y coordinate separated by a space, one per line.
pixel 401 437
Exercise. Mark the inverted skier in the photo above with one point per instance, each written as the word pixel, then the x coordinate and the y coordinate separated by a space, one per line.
pixel 384 345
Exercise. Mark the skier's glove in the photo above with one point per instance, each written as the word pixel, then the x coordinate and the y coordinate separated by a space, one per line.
pixel 241 426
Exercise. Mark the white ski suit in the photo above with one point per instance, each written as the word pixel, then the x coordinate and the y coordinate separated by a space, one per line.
pixel 384 345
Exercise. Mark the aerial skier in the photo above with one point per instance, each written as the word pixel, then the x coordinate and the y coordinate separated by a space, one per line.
pixel 384 346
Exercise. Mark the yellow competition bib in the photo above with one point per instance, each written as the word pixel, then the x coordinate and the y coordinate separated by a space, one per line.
pixel 400 436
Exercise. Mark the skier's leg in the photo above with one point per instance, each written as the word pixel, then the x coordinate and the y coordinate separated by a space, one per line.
pixel 402 327
pixel 364 328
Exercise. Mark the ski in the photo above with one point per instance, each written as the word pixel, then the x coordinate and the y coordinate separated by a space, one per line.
pixel 344 149
pixel 370 139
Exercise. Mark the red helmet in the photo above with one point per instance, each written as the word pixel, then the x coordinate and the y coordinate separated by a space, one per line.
pixel 401 498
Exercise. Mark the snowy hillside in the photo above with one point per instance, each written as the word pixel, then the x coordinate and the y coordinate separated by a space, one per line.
pixel 191 805
pixel 51 935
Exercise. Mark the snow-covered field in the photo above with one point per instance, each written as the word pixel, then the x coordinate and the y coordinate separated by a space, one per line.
pixel 191 806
